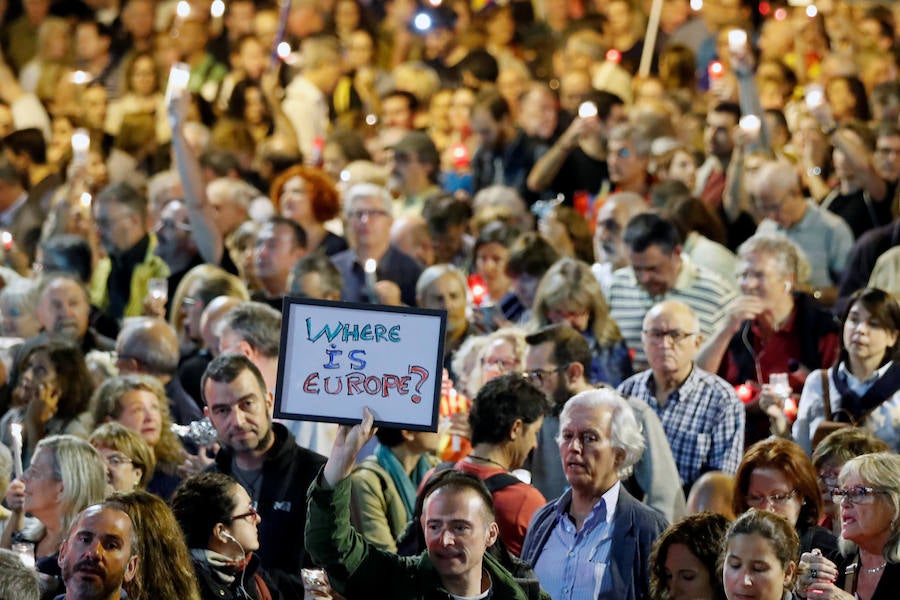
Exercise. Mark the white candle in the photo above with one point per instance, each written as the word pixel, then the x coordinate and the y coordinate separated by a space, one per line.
pixel 751 125
pixel 371 278
pixel 15 430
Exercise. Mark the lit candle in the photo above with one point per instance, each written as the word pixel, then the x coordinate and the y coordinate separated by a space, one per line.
pixel 15 430
pixel 750 124
pixel 371 278
pixel 81 142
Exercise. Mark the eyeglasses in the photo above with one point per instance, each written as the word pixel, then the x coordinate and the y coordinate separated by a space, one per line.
pixel 117 460
pixel 504 366
pixel 855 495
pixel 366 214
pixel 251 514
pixel 537 375
pixel 830 479
pixel 660 335
pixel 774 499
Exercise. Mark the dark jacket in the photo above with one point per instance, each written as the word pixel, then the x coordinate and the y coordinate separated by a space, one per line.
pixel 635 528
pixel 359 570
pixel 212 587
pixel 288 471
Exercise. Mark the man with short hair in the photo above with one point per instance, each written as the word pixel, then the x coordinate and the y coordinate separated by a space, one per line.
pixel 594 541
pixel 369 212
pixel 175 243
pixel 700 412
pixel 120 281
pixel 17 216
pixel 826 240
pixel 99 554
pixel 410 235
pixel 414 172
pixel 502 156
pixel 315 276
pixel 262 457
pixel 26 149
pixel 556 361
pixel 609 247
pixel 628 156
pixel 398 110
pixel 447 219
pixel 279 245
pixel 457 519
pixel 150 347
pixel 718 139
pixel 660 271
pixel 64 309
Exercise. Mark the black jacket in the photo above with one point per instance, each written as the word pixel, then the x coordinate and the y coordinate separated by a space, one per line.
pixel 213 588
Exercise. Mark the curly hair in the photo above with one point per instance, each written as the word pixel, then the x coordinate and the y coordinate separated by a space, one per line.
pixel 702 534
pixel 200 502
pixel 72 376
pixel 499 403
pixel 790 459
pixel 164 569
pixel 323 195
pixel 107 404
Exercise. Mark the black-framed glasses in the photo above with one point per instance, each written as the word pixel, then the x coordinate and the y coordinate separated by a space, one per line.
pixel 537 375
pixel 859 494
pixel 657 336
pixel 251 514
pixel 773 499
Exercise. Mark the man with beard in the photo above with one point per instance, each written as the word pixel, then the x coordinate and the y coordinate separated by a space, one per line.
pixel 262 457
pixel 99 554
pixel 64 309
pixel 175 243
pixel 556 361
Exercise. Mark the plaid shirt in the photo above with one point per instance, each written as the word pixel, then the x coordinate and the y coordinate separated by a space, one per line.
pixel 703 420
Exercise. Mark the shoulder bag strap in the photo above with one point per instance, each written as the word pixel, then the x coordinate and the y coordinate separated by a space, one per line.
pixel 826 395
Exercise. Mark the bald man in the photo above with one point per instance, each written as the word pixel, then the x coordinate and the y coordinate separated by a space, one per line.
pixel 610 251
pixel 210 319
pixel 713 491
pixel 700 412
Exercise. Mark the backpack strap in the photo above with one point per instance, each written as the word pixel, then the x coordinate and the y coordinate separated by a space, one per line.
pixel 498 481
pixel 826 393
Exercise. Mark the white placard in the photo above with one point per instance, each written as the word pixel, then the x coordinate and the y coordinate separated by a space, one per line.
pixel 337 357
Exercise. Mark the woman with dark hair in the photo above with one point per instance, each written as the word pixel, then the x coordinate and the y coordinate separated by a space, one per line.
pixel 163 570
pixel 490 257
pixel 683 563
pixel 776 475
pixel 308 197
pixel 51 391
pixel 141 95
pixel 864 387
pixel 220 527
pixel 248 104
pixel 760 557
pixel 848 100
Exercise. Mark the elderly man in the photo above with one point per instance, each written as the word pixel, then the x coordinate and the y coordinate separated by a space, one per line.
pixel 64 308
pixel 700 412
pixel 459 525
pixel 660 271
pixel 99 554
pixel 120 282
pixel 825 238
pixel 609 247
pixel 556 361
pixel 368 209
pixel 594 541
pixel 414 172
pixel 262 457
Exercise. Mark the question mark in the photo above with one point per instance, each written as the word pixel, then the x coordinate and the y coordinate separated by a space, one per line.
pixel 423 377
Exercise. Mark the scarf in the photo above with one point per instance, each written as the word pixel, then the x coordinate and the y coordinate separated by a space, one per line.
pixel 405 485
pixel 857 405
pixel 228 570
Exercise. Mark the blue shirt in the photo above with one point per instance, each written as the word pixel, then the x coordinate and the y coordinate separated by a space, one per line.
pixel 573 562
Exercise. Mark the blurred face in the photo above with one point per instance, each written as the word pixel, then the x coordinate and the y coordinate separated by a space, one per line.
pixel 458 531
pixel 669 349
pixel 294 202
pixel 574 88
pixel 543 372
pixel 63 308
pixel 841 99
pixel 396 113
pixel 769 489
pixel 608 244
pixel 96 558
pixel 655 270
pixel 827 477
pixel 174 235
pixel 717 135
pixel 589 461
pixel 244 520
pixel 887 157
pixel 121 473
pixel 626 168
pixel 686 577
pixel 867 520
pixel 254 106
pixel 360 50
pixel 461 109
pixel 570 313
pixel 781 206
pixel 253 58
pixel 276 253
pixel 143 76
pixel 501 27
pixel 346 15
pixel 370 223
pixel 499 358
pixel 240 412
pixel 191 310
pixel 486 128
pixel 490 261
pixel 43 488
pixel 760 275
pixel 865 337
pixel 93 106
pixel 447 293
pixel 141 414
pixel 118 226
pixel 683 169
pixel 525 287
pixel 752 569
pixel 18 322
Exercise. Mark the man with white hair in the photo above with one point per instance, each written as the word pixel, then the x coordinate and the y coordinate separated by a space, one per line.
pixel 368 209
pixel 594 541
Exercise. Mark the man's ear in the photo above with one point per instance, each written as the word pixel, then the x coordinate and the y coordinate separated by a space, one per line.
pixel 206 411
pixel 131 568
pixel 574 371
pixel 493 533
pixel 270 401
pixel 62 552
pixel 515 430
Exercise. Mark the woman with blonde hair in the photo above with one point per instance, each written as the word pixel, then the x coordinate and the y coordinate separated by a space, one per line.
pixel 129 459
pixel 569 293
pixel 139 403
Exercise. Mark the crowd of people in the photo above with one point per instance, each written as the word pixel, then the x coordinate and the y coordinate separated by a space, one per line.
pixel 666 237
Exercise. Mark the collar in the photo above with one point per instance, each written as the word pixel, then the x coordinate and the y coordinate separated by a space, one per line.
pixel 685 390
pixel 607 503
pixel 133 256
pixel 761 332
pixel 876 374
pixel 687 274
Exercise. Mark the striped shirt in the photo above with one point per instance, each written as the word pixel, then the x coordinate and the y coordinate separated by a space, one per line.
pixel 573 562
pixel 703 420
pixel 705 292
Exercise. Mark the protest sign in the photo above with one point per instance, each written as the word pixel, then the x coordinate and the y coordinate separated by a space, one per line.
pixel 337 357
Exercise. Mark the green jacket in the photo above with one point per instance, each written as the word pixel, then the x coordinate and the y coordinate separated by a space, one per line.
pixel 152 266
pixel 357 569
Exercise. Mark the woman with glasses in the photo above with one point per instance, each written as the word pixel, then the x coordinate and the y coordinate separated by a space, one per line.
pixel 864 387
pixel 776 475
pixel 869 497
pixel 569 293
pixel 220 527
pixel 129 459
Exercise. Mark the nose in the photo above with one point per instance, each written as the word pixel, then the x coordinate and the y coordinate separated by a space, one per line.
pixel 447 538
pixel 748 581
pixel 238 417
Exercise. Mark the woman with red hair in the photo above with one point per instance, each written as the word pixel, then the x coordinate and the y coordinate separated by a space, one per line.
pixel 308 197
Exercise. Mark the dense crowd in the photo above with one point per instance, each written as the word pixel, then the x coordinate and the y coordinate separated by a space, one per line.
pixel 665 236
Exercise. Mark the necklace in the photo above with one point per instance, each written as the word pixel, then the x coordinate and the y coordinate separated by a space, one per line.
pixel 483 459
pixel 876 569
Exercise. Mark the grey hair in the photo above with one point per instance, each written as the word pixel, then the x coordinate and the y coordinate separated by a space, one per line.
pixel 234 190
pixel 635 135
pixel 257 324
pixel 16 580
pixel 151 342
pixel 880 470
pixel 435 272
pixel 789 256
pixel 625 431
pixel 22 294
pixel 368 190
